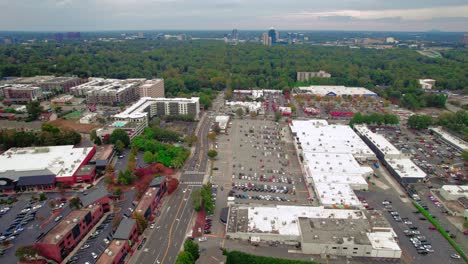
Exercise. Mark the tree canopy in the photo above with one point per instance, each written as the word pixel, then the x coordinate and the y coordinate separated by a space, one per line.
pixel 420 121
pixel 190 66
pixel 119 135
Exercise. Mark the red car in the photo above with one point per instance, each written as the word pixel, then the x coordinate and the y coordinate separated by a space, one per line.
pixel 432 228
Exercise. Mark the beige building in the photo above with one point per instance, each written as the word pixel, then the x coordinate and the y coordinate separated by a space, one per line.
pixel 152 88
pixel 304 76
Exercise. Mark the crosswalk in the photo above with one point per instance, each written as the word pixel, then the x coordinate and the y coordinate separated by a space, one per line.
pixel 195 172
pixel 193 182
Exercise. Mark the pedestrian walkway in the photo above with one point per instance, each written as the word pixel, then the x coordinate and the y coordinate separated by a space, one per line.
pixel 193 183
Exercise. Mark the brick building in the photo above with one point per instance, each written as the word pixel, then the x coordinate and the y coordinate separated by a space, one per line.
pixel 64 237
pixel 123 240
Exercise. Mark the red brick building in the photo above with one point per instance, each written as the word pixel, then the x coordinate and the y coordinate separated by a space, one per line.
pixel 61 239
pixel 122 243
pixel 149 202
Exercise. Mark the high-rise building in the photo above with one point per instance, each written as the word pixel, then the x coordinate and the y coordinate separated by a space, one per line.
pixel 266 40
pixel 272 35
pixel 464 39
pixel 73 35
pixel 235 34
pixel 152 88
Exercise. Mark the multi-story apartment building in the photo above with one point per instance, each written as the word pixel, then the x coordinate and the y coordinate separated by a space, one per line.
pixel 304 76
pixel 49 83
pixel 147 108
pixel 152 88
pixel 21 93
pixel 109 91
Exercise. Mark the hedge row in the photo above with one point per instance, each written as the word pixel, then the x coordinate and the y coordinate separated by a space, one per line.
pixel 237 257
pixel 441 230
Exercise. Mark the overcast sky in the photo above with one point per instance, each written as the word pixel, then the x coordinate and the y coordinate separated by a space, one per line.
pixel 91 15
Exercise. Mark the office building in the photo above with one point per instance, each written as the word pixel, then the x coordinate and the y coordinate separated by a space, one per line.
pixel 427 84
pixel 450 139
pixel 152 88
pixel 273 35
pixel 109 91
pixel 304 76
pixel 266 40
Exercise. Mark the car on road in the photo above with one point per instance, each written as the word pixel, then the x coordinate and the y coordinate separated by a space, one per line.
pixel 202 239
pixel 85 246
pixel 455 256
pixel 106 241
pixel 58 218
pixel 432 228
pixel 142 243
pixel 152 225
pixel 94 255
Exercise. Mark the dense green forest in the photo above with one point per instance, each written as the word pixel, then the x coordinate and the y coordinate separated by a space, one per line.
pixel 190 66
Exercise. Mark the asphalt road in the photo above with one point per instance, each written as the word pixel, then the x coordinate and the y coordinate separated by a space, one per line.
pixel 172 225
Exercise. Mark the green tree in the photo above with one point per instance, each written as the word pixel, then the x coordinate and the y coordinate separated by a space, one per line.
pixel 75 203
pixel 191 248
pixel 34 109
pixel 184 258
pixel 465 155
pixel 119 134
pixel 142 223
pixel 240 112
pixel 42 197
pixel 277 116
pixel 26 252
pixel 196 200
pixel 149 157
pixel 119 146
pixel 419 121
pixel 212 153
pixel 207 199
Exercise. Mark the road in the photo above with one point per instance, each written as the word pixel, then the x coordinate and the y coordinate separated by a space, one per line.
pixel 165 240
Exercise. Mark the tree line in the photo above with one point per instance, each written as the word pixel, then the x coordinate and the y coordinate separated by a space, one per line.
pixel 188 67
pixel 49 135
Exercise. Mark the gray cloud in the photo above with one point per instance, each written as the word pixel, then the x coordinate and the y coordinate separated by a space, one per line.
pixel 226 14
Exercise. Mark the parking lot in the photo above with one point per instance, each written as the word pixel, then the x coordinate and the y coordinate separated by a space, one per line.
pixel 442 162
pixel 97 242
pixel 397 213
pixel 25 221
pixel 261 165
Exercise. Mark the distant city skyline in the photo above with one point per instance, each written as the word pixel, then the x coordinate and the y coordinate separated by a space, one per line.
pixel 348 15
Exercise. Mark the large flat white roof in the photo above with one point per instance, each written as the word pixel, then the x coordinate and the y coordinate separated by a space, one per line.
pixel 330 153
pixel 283 219
pixel 222 121
pixel 378 140
pixel 406 168
pixel 450 138
pixel 318 136
pixel 383 241
pixel 60 160
pixel 137 109
pixel 338 90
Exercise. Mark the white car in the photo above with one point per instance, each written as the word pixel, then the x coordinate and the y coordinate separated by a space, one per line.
pixel 94 255
pixel 152 226
pixel 106 241
pixel 202 239
pixel 455 256
pixel 58 218
pixel 131 209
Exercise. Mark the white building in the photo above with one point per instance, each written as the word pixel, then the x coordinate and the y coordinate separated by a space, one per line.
pixel 89 118
pixel 334 90
pixel 148 107
pixel 450 139
pixel 249 106
pixel 108 91
pixel 304 76
pixel 397 163
pixel 319 231
pixel 152 88
pixel 427 84
pixel 223 122
pixel 330 154
pixel 453 192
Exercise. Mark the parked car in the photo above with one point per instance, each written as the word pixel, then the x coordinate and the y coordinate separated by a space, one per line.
pixel 94 255
pixel 202 239
pixel 58 218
